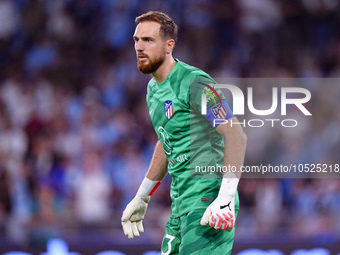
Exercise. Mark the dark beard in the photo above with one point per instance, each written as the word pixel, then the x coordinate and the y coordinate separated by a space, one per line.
pixel 151 67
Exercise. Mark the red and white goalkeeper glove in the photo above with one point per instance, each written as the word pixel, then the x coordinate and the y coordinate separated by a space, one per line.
pixel 133 215
pixel 220 214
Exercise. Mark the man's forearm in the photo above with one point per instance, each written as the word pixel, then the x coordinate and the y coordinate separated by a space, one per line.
pixel 234 152
pixel 235 147
pixel 158 168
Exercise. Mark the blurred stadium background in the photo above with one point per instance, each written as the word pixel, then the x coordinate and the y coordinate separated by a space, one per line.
pixel 76 138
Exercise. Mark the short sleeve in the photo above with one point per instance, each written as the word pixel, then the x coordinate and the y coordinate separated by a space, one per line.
pixel 208 100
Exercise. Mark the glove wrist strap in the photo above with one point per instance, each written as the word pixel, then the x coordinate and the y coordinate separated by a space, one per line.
pixel 228 185
pixel 148 187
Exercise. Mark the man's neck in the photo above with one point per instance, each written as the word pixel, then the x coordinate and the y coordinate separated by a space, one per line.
pixel 163 71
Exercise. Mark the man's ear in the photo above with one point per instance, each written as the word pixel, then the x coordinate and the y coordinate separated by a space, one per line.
pixel 170 44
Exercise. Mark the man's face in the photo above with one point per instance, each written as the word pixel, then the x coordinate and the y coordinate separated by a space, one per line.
pixel 149 46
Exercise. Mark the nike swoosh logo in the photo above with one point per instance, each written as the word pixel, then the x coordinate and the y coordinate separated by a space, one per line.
pixel 151 111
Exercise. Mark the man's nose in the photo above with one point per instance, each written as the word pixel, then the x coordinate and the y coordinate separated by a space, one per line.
pixel 139 46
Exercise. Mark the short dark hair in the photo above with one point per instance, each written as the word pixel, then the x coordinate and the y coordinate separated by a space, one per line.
pixel 168 29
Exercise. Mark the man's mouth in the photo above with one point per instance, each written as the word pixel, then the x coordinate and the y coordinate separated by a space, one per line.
pixel 142 57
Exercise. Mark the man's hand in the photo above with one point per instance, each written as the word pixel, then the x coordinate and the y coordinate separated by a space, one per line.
pixel 220 214
pixel 133 215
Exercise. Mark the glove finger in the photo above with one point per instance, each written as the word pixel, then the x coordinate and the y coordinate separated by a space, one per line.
pixel 140 226
pixel 230 225
pixel 218 222
pixel 225 216
pixel 124 225
pixel 127 229
pixel 134 228
pixel 127 213
pixel 206 216
pixel 212 221
pixel 230 222
pixel 224 224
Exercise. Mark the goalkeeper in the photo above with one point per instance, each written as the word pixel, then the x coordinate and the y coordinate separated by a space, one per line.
pixel 204 206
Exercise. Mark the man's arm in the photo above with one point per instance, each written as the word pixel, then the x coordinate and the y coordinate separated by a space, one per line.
pixel 158 168
pixel 220 214
pixel 235 144
pixel 133 215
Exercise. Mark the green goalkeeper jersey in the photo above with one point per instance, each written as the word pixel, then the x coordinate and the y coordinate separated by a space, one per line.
pixel 194 148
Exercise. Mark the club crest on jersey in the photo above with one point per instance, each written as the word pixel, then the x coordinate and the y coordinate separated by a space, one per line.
pixel 219 111
pixel 168 109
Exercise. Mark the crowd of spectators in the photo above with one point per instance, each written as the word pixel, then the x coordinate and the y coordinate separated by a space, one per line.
pixel 76 137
